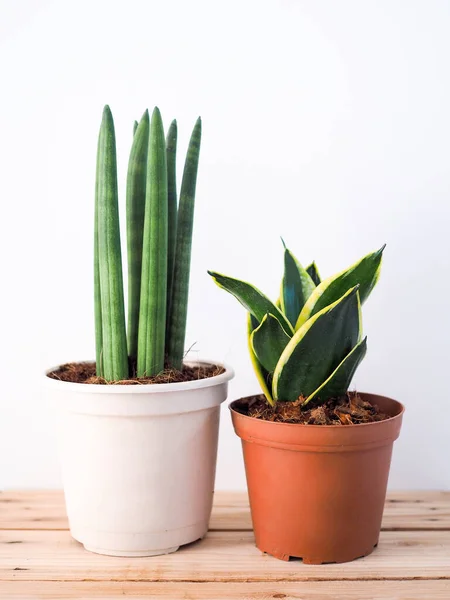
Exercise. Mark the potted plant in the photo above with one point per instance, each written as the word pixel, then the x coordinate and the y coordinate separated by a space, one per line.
pixel 138 428
pixel 316 456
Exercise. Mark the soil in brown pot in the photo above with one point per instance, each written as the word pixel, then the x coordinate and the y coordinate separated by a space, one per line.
pixel 350 409
pixel 84 372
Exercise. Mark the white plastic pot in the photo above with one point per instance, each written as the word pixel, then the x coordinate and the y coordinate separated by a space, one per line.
pixel 138 462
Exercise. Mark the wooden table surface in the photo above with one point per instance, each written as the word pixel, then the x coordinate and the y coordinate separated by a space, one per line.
pixel 38 558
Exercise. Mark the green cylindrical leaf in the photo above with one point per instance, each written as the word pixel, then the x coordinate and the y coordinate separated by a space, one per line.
pixel 136 190
pixel 180 288
pixel 114 353
pixel 97 294
pixel 171 153
pixel 152 314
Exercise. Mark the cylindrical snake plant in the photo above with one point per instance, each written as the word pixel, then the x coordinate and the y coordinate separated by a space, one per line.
pixel 112 360
pixel 180 281
pixel 136 190
pixel 309 344
pixel 159 239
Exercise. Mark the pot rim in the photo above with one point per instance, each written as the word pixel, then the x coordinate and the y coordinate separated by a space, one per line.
pixel 399 415
pixel 149 388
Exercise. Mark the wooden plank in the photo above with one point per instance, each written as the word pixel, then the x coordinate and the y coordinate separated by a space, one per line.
pixel 311 590
pixel 404 511
pixel 221 556
pixel 34 509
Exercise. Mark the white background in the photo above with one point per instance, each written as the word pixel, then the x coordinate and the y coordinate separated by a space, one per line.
pixel 325 122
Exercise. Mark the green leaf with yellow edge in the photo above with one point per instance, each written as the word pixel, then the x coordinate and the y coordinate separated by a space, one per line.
pixel 268 341
pixel 251 298
pixel 296 287
pixel 313 272
pixel 262 375
pixel 318 347
pixel 364 273
pixel 339 381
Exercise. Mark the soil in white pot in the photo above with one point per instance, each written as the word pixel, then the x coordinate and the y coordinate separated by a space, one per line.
pixel 84 372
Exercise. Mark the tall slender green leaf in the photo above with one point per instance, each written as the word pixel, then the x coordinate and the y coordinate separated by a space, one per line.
pixel 182 265
pixel 110 282
pixel 269 341
pixel 338 382
pixel 171 152
pixel 313 272
pixel 364 273
pixel 97 292
pixel 252 299
pixel 152 314
pixel 262 375
pixel 318 347
pixel 296 287
pixel 136 189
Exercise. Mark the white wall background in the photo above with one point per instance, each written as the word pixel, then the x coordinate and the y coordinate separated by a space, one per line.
pixel 325 122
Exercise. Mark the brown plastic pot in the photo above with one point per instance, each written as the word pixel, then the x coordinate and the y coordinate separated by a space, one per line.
pixel 317 492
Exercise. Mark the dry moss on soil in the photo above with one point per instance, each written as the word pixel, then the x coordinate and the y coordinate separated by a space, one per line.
pixel 84 372
pixel 350 409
